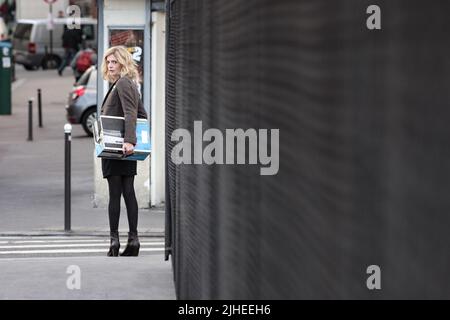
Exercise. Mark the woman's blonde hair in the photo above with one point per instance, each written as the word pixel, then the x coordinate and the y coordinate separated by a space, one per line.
pixel 125 59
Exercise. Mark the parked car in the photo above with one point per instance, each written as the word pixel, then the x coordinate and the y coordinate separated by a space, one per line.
pixel 31 42
pixel 82 106
pixel 4 35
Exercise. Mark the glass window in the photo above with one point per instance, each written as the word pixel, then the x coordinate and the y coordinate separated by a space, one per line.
pixel 23 31
pixel 93 79
pixel 133 40
pixel 88 31
pixel 83 81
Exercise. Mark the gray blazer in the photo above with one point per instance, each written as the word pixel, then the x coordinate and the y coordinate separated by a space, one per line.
pixel 123 100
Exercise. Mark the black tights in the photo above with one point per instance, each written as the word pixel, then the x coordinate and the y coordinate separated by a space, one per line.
pixel 119 185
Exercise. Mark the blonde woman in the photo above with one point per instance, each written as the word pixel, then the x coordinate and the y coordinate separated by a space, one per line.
pixel 122 100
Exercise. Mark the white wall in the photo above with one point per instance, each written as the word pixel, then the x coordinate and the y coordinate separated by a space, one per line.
pixel 119 12
pixel 158 182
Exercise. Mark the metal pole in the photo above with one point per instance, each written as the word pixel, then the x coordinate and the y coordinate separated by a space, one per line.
pixel 30 119
pixel 67 172
pixel 40 108
pixel 51 30
pixel 147 89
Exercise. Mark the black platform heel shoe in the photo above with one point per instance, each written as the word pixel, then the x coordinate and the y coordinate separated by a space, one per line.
pixel 115 244
pixel 133 245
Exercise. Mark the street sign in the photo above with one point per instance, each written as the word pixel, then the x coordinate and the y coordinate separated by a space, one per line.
pixel 50 25
pixel 50 22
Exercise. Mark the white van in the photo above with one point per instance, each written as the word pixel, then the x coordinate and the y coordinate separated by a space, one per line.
pixel 3 30
pixel 31 42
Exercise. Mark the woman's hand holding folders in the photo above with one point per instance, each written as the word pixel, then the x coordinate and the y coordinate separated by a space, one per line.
pixel 127 148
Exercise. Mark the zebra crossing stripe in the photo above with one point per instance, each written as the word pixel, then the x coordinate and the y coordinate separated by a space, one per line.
pixel 72 251
pixel 41 245
pixel 67 241
pixel 48 237
pixel 70 245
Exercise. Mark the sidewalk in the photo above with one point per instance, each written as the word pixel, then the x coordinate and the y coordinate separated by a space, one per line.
pixel 32 204
pixel 32 173
pixel 122 278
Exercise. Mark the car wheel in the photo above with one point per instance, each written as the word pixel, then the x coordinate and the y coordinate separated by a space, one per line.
pixel 88 121
pixel 50 62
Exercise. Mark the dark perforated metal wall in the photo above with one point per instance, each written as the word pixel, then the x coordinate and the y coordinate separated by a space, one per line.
pixel 364 148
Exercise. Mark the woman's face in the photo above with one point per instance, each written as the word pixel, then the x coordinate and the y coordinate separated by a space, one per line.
pixel 113 66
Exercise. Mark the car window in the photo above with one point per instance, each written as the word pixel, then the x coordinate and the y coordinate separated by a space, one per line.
pixel 83 81
pixel 93 79
pixel 23 31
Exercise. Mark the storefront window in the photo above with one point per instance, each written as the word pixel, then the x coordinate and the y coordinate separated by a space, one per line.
pixel 133 40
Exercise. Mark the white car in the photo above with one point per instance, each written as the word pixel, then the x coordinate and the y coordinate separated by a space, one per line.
pixel 3 30
pixel 31 41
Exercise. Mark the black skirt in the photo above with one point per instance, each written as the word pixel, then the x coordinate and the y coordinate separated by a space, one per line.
pixel 118 168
